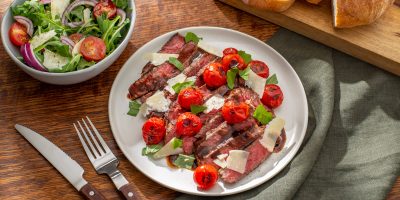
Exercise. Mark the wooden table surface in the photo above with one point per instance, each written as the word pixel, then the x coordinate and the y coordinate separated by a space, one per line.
pixel 51 110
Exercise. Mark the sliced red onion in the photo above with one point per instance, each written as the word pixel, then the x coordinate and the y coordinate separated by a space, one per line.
pixel 30 58
pixel 44 2
pixel 26 22
pixel 24 55
pixel 71 7
pixel 66 40
pixel 122 14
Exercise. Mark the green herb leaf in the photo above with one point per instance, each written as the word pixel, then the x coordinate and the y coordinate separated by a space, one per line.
pixel 134 108
pixel 246 57
pixel 184 161
pixel 77 13
pixel 262 115
pixel 272 79
pixel 192 37
pixel 151 149
pixel 245 73
pixel 176 143
pixel 83 64
pixel 176 63
pixel 195 109
pixel 179 86
pixel 231 77
pixel 121 3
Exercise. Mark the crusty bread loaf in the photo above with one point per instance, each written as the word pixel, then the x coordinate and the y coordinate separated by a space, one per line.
pixel 272 5
pixel 350 13
pixel 314 1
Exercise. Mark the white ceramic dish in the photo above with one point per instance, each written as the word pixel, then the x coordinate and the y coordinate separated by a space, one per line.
pixel 70 77
pixel 127 129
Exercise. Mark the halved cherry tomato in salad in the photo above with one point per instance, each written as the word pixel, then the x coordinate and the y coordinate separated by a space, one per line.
pixel 205 176
pixel 189 96
pixel 233 60
pixel 235 112
pixel 107 7
pixel 153 130
pixel 260 68
pixel 272 96
pixel 230 51
pixel 76 37
pixel 93 49
pixel 18 34
pixel 214 75
pixel 188 124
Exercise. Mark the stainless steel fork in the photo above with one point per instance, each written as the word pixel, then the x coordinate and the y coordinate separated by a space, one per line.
pixel 102 159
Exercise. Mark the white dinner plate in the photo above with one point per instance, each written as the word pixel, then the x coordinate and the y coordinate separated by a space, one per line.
pixel 127 129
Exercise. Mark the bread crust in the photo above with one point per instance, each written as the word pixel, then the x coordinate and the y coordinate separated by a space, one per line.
pixel 271 5
pixel 350 13
pixel 314 1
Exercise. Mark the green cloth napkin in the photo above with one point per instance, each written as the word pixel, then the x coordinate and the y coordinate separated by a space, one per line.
pixel 352 146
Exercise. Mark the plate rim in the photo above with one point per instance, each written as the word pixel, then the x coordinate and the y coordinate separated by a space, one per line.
pixel 290 156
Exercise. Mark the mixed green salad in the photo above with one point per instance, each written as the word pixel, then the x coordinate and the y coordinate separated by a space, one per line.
pixel 67 35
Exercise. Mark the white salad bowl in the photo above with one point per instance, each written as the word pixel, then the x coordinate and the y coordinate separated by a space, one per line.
pixel 69 77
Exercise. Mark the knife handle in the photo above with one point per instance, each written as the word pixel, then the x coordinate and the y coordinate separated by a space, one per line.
pixel 89 192
pixel 129 192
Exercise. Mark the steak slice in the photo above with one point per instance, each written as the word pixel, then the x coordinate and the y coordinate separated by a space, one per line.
pixel 199 63
pixel 188 145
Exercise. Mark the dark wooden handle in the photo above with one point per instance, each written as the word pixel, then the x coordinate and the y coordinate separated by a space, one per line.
pixel 89 192
pixel 129 192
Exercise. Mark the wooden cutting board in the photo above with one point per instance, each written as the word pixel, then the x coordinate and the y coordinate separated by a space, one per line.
pixel 377 43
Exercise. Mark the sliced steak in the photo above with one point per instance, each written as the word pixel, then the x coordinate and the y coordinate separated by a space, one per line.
pixel 199 63
pixel 280 142
pixel 188 145
pixel 244 94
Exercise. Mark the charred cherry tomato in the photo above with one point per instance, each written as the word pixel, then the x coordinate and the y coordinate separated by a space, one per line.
pixel 188 124
pixel 93 49
pixel 260 68
pixel 18 34
pixel 205 176
pixel 233 60
pixel 107 7
pixel 189 96
pixel 234 112
pixel 272 96
pixel 76 37
pixel 153 130
pixel 214 75
pixel 230 51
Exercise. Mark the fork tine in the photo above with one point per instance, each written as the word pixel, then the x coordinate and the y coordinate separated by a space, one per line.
pixel 88 153
pixel 101 151
pixel 88 141
pixel 105 146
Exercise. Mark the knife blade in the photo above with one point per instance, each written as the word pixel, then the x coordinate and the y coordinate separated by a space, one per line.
pixel 68 167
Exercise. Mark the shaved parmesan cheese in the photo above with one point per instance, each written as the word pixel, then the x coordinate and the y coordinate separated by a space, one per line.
pixel 215 102
pixel 180 78
pixel 210 49
pixel 271 133
pixel 168 149
pixel 256 83
pixel 222 156
pixel 237 160
pixel 77 48
pixel 52 60
pixel 192 78
pixel 158 102
pixel 57 7
pixel 42 38
pixel 86 15
pixel 160 58
pixel 221 163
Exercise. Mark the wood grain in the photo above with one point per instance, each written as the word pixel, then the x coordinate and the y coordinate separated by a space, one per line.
pixel 378 43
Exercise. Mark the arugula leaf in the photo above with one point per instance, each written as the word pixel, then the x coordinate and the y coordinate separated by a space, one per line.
pixel 192 37
pixel 115 36
pixel 179 86
pixel 176 63
pixel 151 149
pixel 56 46
pixel 77 13
pixel 262 115
pixel 121 3
pixel 272 79
pixel 195 109
pixel 245 73
pixel 231 77
pixel 83 64
pixel 246 57
pixel 134 108
pixel 184 161
pixel 71 66
pixel 28 8
pixel 176 143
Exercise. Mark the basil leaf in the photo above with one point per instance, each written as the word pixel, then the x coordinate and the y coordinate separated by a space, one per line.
pixel 246 57
pixel 184 161
pixel 272 79
pixel 176 143
pixel 262 115
pixel 134 108
pixel 176 62
pixel 192 37
pixel 245 73
pixel 195 109
pixel 179 86
pixel 151 149
pixel 231 77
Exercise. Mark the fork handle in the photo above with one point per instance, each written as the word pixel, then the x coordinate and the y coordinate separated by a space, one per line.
pixel 89 192
pixel 129 192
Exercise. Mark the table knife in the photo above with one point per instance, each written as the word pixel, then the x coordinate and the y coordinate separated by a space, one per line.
pixel 68 167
